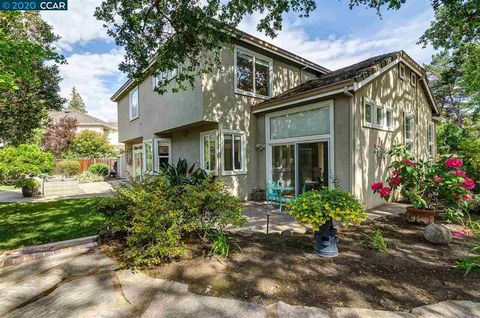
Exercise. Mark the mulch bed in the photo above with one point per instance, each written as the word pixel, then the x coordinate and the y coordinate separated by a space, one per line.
pixel 274 267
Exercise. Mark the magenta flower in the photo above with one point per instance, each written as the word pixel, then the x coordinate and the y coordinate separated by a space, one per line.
pixel 395 172
pixel 460 173
pixel 454 163
pixel 395 181
pixel 376 185
pixel 408 162
pixel 384 192
pixel 437 179
pixel 468 184
pixel 467 197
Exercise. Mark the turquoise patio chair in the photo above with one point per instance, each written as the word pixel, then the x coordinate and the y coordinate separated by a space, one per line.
pixel 271 195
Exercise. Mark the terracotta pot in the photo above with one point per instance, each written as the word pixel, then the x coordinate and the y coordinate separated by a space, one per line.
pixel 424 216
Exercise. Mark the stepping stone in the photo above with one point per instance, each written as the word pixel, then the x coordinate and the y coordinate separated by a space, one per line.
pixel 92 262
pixel 287 311
pixel 191 305
pixel 344 312
pixel 449 309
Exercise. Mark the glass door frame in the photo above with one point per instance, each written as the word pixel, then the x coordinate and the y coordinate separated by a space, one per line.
pixel 138 148
pixel 328 138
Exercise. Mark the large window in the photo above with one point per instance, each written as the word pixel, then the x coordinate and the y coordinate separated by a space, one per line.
pixel 162 153
pixel 233 152
pixel 252 73
pixel 208 151
pixel 309 122
pixel 431 139
pixel 409 132
pixel 163 76
pixel 133 102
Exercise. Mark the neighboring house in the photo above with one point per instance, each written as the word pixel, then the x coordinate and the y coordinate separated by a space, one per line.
pixel 267 114
pixel 88 122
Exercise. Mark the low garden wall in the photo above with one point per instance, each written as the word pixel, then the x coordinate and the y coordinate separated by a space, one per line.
pixel 60 187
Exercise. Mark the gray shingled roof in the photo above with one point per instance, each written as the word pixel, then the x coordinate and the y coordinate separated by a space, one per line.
pixel 82 118
pixel 356 72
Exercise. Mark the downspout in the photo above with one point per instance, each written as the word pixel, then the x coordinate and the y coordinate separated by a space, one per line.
pixel 352 139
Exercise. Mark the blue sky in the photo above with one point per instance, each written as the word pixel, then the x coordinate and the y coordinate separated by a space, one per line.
pixel 333 36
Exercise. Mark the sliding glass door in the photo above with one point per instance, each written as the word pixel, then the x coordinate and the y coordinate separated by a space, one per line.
pixel 302 165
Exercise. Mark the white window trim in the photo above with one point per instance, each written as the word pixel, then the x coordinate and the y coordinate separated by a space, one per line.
pixel 130 104
pixel 401 67
pixel 168 75
pixel 243 163
pixel 431 141
pixel 374 124
pixel 156 166
pixel 254 55
pixel 412 135
pixel 329 138
pixel 413 79
pixel 145 155
pixel 137 148
pixel 202 158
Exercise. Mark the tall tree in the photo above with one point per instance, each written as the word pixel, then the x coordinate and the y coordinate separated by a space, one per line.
pixel 59 136
pixel 28 81
pixel 76 102
pixel 164 34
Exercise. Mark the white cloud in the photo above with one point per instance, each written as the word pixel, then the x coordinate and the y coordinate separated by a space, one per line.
pixel 77 24
pixel 92 75
pixel 336 51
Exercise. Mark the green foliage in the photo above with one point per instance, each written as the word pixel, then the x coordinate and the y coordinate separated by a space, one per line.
pixel 59 136
pixel 76 102
pixel 90 144
pixel 29 183
pixel 99 169
pixel 24 160
pixel 87 176
pixel 182 175
pixel 68 168
pixel 377 241
pixel 220 244
pixel 316 207
pixel 29 78
pixel 155 217
pixel 449 138
pixel 471 262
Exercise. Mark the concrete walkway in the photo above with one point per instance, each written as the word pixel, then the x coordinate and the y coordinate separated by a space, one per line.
pixel 88 284
pixel 87 190
pixel 256 214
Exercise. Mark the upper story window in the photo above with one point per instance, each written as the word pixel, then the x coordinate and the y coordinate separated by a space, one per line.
pixel 413 79
pixel 253 73
pixel 133 104
pixel 401 71
pixel 376 115
pixel 409 131
pixel 233 152
pixel 208 151
pixel 431 139
pixel 163 76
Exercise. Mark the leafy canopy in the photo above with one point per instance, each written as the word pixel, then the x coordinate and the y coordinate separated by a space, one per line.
pixel 24 160
pixel 29 77
pixel 91 144
pixel 59 136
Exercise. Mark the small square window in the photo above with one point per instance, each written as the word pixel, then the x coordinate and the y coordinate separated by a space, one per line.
pixel 413 79
pixel 401 71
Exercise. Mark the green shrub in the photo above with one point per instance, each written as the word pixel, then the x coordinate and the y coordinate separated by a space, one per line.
pixel 68 168
pixel 182 175
pixel 377 241
pixel 29 183
pixel 24 160
pixel 220 244
pixel 99 169
pixel 155 217
pixel 316 207
pixel 87 176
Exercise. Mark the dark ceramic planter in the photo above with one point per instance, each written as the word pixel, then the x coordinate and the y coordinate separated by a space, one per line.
pixel 326 241
pixel 424 216
pixel 27 192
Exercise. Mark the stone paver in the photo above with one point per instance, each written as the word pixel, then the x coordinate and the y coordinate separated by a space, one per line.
pixel 343 312
pixel 88 284
pixel 449 309
pixel 287 311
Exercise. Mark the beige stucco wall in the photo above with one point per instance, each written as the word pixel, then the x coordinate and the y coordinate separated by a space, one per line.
pixel 391 91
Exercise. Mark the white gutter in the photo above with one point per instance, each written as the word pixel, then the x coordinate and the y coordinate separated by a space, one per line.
pixel 301 100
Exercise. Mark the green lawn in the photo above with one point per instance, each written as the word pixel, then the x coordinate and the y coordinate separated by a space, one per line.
pixel 6 188
pixel 24 224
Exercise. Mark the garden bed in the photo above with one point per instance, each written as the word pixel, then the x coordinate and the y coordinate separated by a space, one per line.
pixel 278 267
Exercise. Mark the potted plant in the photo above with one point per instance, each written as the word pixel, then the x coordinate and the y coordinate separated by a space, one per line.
pixel 29 186
pixel 427 185
pixel 320 208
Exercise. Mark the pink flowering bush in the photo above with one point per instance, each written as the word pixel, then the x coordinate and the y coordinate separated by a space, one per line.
pixel 426 184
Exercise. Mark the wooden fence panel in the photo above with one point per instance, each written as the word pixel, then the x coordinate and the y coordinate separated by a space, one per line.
pixel 85 163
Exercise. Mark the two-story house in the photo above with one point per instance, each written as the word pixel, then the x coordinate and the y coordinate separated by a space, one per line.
pixel 269 115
